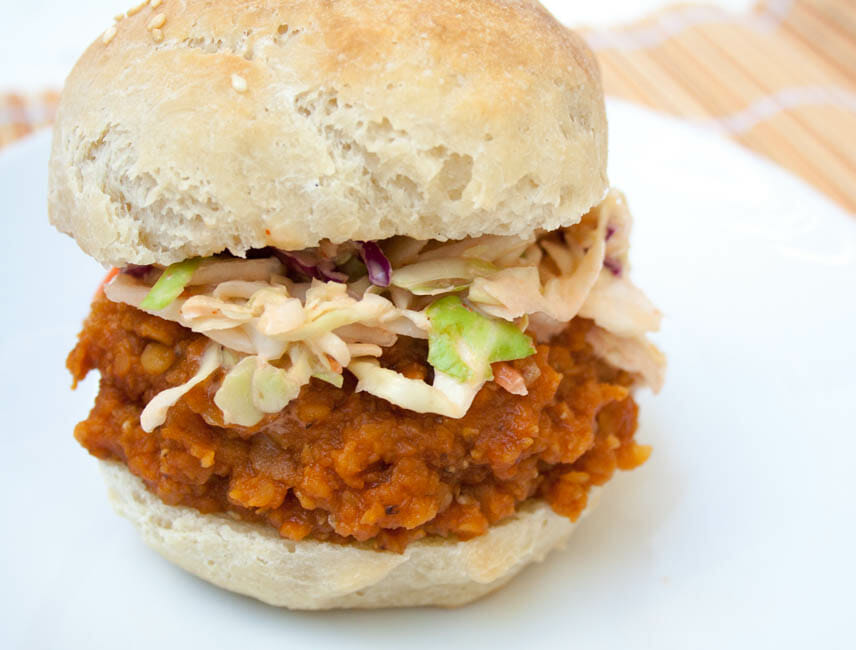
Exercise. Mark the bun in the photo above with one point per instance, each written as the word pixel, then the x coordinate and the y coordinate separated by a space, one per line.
pixel 202 126
pixel 253 560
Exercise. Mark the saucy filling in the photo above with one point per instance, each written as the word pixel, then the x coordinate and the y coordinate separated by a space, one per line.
pixel 276 319
pixel 345 466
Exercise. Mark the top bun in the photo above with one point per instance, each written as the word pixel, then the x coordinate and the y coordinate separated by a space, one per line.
pixel 194 127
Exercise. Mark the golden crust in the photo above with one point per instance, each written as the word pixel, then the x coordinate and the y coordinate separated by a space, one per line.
pixel 253 560
pixel 204 125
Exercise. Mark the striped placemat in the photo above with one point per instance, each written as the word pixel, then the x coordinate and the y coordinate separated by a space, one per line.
pixel 780 80
pixel 20 114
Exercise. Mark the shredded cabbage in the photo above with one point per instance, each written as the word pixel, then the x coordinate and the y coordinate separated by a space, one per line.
pixel 487 248
pixel 215 270
pixel 209 313
pixel 635 355
pixel 446 397
pixel 438 276
pixel 463 343
pixel 367 310
pixel 617 305
pixel 155 412
pixel 516 291
pixel 284 317
pixel 255 387
pixel 170 284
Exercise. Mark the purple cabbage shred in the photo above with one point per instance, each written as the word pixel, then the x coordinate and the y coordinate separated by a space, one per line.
pixel 137 270
pixel 307 266
pixel 614 266
pixel 377 264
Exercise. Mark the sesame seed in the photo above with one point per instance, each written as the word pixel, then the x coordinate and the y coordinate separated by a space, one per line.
pixel 138 8
pixel 239 83
pixel 109 34
pixel 157 21
pixel 157 35
pixel 154 4
pixel 118 17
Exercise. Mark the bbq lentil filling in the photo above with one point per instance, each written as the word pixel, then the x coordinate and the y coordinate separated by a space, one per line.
pixel 341 466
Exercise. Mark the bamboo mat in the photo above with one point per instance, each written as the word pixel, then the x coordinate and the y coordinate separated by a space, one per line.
pixel 780 80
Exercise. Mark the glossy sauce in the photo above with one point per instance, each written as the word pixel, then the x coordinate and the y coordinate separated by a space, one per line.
pixel 342 466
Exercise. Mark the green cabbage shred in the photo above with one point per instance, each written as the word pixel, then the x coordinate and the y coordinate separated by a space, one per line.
pixel 463 343
pixel 170 284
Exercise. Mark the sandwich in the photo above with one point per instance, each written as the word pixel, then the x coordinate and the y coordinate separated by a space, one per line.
pixel 368 336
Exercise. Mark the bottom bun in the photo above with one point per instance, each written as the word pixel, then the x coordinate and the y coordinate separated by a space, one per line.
pixel 254 560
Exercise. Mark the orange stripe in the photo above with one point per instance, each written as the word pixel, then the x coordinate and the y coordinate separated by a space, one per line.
pixel 112 273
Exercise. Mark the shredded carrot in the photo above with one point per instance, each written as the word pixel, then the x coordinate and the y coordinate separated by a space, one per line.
pixel 509 379
pixel 112 273
pixel 335 366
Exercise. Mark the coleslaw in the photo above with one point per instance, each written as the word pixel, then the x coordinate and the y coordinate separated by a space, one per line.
pixel 280 318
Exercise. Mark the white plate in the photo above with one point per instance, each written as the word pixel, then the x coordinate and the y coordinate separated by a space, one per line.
pixel 739 531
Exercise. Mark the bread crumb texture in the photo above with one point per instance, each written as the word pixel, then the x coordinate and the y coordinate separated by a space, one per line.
pixel 253 560
pixel 194 127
